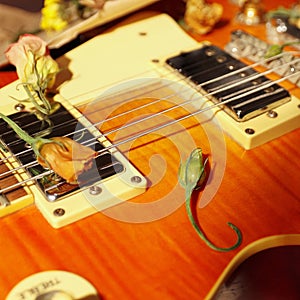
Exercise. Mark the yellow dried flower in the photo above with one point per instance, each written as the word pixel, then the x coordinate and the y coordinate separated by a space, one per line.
pixel 53 16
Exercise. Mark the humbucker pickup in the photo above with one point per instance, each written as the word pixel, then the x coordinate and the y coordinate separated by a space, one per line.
pixel 107 184
pixel 59 123
pixel 246 93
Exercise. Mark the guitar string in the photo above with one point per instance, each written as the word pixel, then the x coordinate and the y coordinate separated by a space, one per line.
pixel 260 62
pixel 111 146
pixel 213 91
pixel 256 75
pixel 259 74
pixel 141 120
pixel 174 121
pixel 230 74
pixel 216 90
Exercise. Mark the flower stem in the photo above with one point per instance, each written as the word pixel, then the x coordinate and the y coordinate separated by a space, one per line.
pixel 18 130
pixel 191 175
pixel 44 100
pixel 202 235
pixel 276 49
pixel 34 102
pixel 36 143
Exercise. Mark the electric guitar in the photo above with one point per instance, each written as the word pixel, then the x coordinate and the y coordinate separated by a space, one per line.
pixel 133 94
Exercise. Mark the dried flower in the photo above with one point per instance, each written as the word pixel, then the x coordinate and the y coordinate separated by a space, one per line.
pixel 65 157
pixel 191 174
pixel 53 16
pixel 35 68
pixel 57 14
pixel 275 49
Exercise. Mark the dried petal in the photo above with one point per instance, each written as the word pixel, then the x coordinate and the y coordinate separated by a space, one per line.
pixel 30 56
pixel 66 157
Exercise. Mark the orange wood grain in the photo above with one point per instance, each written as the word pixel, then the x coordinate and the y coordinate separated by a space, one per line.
pixel 165 259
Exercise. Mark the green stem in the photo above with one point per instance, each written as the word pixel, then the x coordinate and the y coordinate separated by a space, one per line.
pixel 35 143
pixel 44 100
pixel 40 92
pixel 191 175
pixel 202 235
pixel 18 130
pixel 290 44
pixel 34 102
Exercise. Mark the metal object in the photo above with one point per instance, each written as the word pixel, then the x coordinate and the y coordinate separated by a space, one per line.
pixel 251 13
pixel 229 82
pixel 59 212
pixel 63 123
pixel 136 179
pixel 272 114
pixel 250 131
pixel 95 190
pixel 19 107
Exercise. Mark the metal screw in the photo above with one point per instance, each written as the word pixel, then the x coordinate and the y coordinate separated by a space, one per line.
pixel 19 107
pixel 221 59
pixel 136 179
pixel 95 190
pixel 270 89
pixel 59 212
pixel 272 114
pixel 210 52
pixel 256 81
pixel 231 66
pixel 250 131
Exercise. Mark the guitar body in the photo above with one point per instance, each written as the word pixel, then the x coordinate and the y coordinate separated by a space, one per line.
pixel 145 247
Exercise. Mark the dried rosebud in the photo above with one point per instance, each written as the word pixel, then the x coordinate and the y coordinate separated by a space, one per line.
pixel 273 50
pixel 66 157
pixel 192 173
pixel 34 65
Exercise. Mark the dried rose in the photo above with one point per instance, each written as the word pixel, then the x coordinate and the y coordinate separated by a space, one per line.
pixel 16 52
pixel 63 155
pixel 35 66
pixel 66 158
